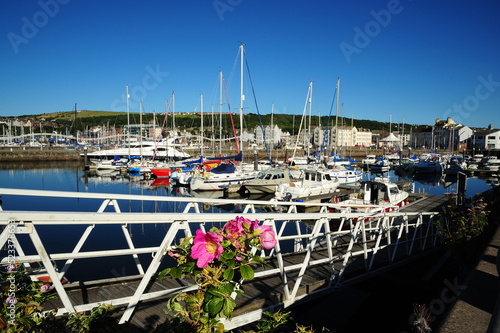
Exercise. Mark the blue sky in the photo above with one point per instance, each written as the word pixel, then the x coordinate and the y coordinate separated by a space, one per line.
pixel 416 59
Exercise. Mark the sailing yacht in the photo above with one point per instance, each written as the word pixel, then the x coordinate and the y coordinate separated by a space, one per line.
pixel 228 174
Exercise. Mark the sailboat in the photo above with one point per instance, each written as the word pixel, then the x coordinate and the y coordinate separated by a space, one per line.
pixel 230 173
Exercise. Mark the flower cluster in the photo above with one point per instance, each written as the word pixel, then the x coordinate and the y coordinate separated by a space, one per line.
pixel 219 260
pixel 21 308
pixel 464 224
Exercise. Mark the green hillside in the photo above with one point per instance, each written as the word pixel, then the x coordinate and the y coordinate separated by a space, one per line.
pixel 191 122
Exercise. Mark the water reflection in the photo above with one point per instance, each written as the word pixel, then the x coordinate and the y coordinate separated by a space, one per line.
pixel 70 176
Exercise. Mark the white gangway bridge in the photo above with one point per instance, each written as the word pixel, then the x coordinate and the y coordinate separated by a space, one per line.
pixel 318 250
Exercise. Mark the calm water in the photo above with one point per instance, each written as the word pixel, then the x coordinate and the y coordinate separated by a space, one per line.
pixel 71 177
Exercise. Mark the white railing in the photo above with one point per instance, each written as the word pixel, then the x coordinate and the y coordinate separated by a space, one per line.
pixel 363 235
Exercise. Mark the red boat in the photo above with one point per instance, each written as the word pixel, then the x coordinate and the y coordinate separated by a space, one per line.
pixel 162 173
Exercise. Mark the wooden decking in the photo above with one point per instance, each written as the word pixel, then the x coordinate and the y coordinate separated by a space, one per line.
pixel 259 293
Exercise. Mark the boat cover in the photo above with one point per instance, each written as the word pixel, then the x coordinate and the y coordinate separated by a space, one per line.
pixel 224 168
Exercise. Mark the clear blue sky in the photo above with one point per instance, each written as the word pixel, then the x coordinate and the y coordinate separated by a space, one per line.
pixel 416 59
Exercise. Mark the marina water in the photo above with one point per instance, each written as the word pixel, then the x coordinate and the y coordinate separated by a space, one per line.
pixel 71 177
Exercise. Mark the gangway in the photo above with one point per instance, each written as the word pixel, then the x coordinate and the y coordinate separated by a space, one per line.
pixel 316 253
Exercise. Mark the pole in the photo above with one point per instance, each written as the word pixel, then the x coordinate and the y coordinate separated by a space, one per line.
pixel 76 132
pixel 201 130
pixel 128 123
pixel 242 98
pixel 337 118
pixel 310 101
pixel 220 111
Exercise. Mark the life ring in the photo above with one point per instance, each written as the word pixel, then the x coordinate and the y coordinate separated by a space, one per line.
pixel 179 170
pixel 335 200
pixel 206 176
pixel 206 206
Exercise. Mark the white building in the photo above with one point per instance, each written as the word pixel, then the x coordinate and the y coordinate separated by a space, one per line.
pixel 272 134
pixel 345 137
pixel 449 135
pixel 485 139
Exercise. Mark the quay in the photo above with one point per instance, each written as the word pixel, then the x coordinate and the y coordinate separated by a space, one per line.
pixel 325 252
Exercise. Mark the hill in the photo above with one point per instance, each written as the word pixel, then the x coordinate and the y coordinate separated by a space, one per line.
pixel 191 121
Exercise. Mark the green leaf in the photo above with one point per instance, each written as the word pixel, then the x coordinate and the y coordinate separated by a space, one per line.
pixel 215 305
pixel 228 289
pixel 259 260
pixel 190 266
pixel 246 227
pixel 231 263
pixel 229 274
pixel 246 272
pixel 175 272
pixel 217 292
pixel 229 305
pixel 228 255
pixel 163 273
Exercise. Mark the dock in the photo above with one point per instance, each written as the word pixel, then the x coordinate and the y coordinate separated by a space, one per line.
pixel 326 252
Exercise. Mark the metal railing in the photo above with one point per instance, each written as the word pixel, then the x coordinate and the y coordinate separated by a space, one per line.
pixel 363 235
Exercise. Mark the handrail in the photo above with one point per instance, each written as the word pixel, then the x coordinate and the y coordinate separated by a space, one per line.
pixel 364 235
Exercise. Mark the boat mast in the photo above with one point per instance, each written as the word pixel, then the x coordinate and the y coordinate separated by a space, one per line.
pixel 220 120
pixel 310 101
pixel 272 132
pixel 402 142
pixel 128 123
pixel 201 129
pixel 352 134
pixel 173 114
pixel 242 98
pixel 337 118
pixel 213 131
pixel 140 126
pixel 165 123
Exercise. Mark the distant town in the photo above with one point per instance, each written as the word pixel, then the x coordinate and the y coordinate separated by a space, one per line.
pixel 100 127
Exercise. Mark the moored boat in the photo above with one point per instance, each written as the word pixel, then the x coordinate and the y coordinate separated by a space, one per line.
pixel 376 195
pixel 266 181
pixel 311 183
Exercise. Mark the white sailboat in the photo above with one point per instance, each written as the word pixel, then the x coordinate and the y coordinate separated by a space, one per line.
pixel 227 174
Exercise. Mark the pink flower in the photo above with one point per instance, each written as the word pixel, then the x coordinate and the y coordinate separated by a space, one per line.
pixel 267 238
pixel 45 287
pixel 266 235
pixel 205 248
pixel 234 228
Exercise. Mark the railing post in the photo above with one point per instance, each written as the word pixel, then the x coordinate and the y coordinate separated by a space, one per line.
pixel 153 267
pixel 47 263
